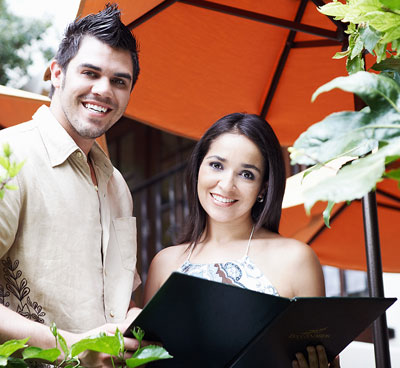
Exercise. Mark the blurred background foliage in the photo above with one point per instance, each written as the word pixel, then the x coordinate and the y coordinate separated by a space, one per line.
pixel 20 39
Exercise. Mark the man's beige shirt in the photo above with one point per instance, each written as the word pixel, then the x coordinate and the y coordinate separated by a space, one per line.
pixel 67 248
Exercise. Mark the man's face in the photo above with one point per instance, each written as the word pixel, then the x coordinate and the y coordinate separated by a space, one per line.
pixel 94 90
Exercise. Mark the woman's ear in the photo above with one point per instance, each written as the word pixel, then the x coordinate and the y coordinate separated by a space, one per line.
pixel 262 193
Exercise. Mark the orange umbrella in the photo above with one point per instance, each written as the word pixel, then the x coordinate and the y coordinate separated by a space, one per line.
pixel 201 60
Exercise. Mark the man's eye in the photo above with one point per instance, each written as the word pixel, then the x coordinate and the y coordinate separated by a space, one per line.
pixel 118 82
pixel 216 165
pixel 89 73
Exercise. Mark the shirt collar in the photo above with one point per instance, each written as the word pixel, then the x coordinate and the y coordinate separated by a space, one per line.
pixel 60 145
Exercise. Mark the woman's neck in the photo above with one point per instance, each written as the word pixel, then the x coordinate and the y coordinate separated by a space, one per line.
pixel 225 232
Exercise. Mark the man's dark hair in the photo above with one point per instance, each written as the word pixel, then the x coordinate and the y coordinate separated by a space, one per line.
pixel 107 27
pixel 265 214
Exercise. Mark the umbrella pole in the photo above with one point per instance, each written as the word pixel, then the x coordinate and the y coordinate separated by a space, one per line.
pixel 375 278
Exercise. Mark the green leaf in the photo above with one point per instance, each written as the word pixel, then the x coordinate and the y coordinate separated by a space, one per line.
pixel 11 187
pixel 63 344
pixel 11 346
pixel 7 150
pixel 393 174
pixel 382 20
pixel 370 37
pixel 355 65
pixel 16 363
pixel 341 54
pixel 49 355
pixel 380 51
pixel 100 343
pixel 148 354
pixel 391 4
pixel 353 181
pixel 339 134
pixel 327 213
pixel 120 337
pixel 15 168
pixel 387 65
pixel 357 49
pixel 138 333
pixel 378 91
pixel 334 9
pixel 5 162
pixel 353 133
pixel 391 34
pixel 3 361
pixel 53 329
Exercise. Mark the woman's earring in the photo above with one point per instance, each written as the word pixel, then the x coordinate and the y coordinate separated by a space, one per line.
pixel 260 199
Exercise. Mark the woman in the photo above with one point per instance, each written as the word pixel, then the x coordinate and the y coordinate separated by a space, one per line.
pixel 235 182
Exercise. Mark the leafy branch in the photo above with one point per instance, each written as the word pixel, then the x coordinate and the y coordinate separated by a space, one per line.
pixel 102 343
pixel 11 169
pixel 370 136
pixel 374 27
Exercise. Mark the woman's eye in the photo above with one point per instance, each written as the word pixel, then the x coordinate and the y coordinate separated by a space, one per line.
pixel 216 165
pixel 248 175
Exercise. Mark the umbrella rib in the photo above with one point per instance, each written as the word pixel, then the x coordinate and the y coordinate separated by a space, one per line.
pixel 341 27
pixel 389 206
pixel 315 43
pixel 282 61
pixel 151 13
pixel 294 26
pixel 388 195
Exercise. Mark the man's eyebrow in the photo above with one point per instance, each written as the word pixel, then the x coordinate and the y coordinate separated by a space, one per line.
pixel 94 67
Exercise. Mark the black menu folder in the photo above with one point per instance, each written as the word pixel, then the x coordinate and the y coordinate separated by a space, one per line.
pixel 208 324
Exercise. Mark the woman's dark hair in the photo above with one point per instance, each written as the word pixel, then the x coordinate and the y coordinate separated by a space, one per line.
pixel 107 27
pixel 265 214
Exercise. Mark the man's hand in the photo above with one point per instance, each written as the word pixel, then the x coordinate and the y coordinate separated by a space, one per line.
pixel 92 359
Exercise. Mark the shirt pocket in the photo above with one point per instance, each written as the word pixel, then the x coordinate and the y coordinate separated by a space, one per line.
pixel 125 234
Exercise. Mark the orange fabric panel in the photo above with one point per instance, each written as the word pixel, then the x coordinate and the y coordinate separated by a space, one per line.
pixel 292 111
pixel 130 10
pixel 15 110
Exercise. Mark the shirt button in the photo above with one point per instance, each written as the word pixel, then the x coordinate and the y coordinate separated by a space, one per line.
pixel 79 154
pixel 112 315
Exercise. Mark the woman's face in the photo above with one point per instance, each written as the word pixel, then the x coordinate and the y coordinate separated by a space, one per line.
pixel 230 178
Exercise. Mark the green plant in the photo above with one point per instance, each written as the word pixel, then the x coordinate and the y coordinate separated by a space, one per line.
pixel 374 26
pixel 371 136
pixel 11 169
pixel 102 343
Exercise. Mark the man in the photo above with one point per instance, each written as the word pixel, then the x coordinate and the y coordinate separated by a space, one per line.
pixel 67 238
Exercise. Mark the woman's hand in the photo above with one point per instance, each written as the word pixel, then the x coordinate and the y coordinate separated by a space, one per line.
pixel 316 359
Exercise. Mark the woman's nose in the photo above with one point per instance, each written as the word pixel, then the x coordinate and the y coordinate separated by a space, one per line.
pixel 227 182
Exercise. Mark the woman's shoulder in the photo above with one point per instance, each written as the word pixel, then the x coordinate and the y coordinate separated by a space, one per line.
pixel 287 249
pixel 173 255
pixel 291 265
